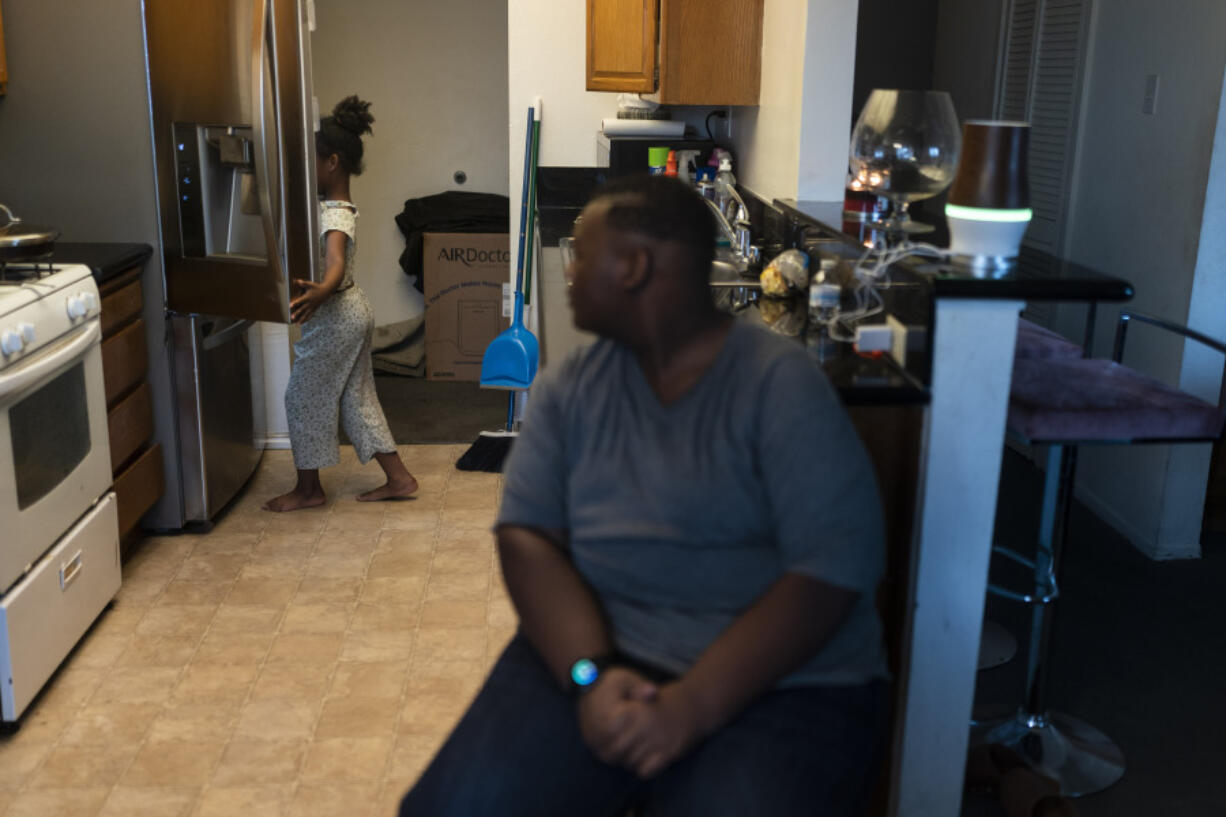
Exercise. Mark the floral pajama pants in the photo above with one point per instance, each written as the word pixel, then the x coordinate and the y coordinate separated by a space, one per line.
pixel 332 375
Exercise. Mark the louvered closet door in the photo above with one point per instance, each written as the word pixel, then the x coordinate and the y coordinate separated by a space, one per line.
pixel 1014 95
pixel 1041 83
pixel 1041 77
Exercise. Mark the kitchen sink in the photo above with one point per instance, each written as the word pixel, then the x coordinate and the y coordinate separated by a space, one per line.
pixel 731 287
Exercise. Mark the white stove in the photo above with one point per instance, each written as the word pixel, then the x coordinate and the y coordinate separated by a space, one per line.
pixel 59 539
pixel 68 296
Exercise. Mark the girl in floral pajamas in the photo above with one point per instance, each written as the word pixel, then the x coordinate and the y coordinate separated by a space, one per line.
pixel 332 371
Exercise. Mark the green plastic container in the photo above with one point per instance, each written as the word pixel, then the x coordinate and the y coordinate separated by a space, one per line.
pixel 657 158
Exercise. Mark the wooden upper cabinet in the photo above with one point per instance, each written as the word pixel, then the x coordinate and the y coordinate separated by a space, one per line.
pixel 709 52
pixel 621 45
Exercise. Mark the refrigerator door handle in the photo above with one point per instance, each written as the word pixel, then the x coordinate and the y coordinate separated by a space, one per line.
pixel 301 208
pixel 259 47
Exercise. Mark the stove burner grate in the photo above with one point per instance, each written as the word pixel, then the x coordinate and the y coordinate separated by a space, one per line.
pixel 15 273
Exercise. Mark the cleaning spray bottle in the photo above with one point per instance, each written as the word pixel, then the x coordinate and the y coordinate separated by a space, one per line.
pixel 686 162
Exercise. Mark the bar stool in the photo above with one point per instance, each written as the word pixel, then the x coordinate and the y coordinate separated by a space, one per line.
pixel 997 645
pixel 1064 403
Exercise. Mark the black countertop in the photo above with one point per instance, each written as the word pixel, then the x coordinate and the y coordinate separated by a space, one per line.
pixel 860 379
pixel 1037 276
pixel 105 259
pixel 878 379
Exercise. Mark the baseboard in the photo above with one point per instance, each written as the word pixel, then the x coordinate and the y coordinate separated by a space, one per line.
pixel 1141 541
pixel 277 441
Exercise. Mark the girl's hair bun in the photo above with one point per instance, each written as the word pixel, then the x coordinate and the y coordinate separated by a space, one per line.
pixel 353 115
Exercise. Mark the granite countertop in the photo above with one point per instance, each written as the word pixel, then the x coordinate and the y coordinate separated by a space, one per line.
pixel 105 259
pixel 860 379
pixel 879 379
pixel 1037 276
pixel 914 284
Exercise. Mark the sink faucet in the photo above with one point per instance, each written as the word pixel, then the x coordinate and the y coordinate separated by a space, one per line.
pixel 737 229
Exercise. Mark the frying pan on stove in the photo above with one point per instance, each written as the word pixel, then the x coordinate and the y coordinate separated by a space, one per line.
pixel 22 241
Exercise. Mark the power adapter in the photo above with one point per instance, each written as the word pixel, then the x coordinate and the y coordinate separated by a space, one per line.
pixel 874 338
pixel 907 340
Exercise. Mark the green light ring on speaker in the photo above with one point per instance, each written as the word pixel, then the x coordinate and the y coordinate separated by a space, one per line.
pixel 987 213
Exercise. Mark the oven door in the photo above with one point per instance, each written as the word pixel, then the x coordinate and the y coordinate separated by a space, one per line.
pixel 55 459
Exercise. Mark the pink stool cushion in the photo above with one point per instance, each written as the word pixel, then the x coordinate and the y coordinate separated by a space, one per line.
pixel 1060 400
pixel 1036 343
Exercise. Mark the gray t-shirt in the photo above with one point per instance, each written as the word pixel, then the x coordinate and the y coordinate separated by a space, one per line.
pixel 681 516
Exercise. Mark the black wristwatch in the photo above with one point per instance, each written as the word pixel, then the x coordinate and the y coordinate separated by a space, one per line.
pixel 585 672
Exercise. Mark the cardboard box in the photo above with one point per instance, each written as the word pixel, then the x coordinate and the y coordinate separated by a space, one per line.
pixel 464 274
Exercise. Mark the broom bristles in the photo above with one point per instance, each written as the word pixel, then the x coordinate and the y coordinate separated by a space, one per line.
pixel 488 452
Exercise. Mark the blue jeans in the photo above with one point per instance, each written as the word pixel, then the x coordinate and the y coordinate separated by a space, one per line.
pixel 810 751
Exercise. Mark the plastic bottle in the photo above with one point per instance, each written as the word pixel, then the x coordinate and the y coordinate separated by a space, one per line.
pixel 824 296
pixel 823 312
pixel 825 273
pixel 724 181
pixel 656 159
pixel 670 165
pixel 686 160
pixel 706 185
pixel 823 303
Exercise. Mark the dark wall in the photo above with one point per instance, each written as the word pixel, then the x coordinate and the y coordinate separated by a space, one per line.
pixel 968 41
pixel 895 45
pixel 947 45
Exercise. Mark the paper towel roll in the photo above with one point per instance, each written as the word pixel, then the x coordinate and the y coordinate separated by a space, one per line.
pixel 643 127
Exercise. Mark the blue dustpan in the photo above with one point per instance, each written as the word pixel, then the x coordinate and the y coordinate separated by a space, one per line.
pixel 511 358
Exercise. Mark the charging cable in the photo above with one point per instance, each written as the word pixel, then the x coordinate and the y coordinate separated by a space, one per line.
pixel 869 271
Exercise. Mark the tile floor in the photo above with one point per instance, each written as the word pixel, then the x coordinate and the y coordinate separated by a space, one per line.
pixel 289 665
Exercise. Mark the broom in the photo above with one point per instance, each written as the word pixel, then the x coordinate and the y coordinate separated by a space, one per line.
pixel 490 449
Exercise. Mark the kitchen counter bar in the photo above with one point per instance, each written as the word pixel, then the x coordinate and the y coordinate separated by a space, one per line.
pixel 1036 277
pixel 972 332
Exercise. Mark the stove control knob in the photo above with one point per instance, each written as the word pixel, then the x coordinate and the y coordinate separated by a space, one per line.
pixel 90 300
pixel 10 342
pixel 27 332
pixel 76 307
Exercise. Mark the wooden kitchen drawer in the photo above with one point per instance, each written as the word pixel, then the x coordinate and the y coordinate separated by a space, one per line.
pixel 138 487
pixel 130 424
pixel 122 301
pixel 123 360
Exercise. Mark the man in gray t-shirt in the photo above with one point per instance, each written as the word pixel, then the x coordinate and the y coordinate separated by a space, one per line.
pixel 691 535
pixel 679 516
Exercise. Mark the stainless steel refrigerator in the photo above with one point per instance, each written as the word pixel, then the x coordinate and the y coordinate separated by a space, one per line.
pixel 233 122
pixel 190 126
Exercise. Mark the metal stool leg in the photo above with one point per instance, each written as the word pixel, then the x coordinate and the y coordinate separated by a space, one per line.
pixel 1082 759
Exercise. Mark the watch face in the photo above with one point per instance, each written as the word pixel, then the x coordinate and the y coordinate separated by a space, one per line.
pixel 584 672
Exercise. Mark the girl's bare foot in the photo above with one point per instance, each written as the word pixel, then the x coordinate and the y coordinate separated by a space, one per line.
pixel 399 488
pixel 295 501
pixel 308 493
pixel 400 483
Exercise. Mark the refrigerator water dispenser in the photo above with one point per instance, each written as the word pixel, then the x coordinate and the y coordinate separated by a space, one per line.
pixel 219 212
